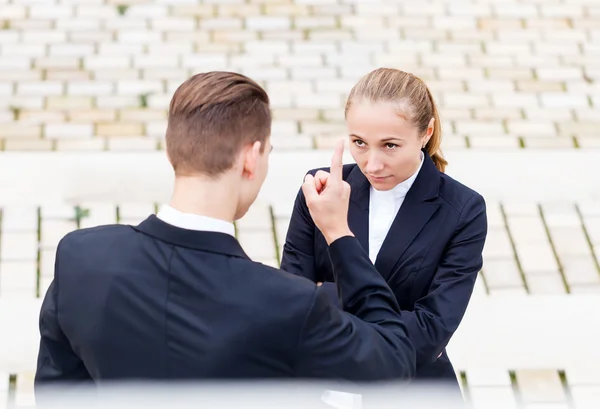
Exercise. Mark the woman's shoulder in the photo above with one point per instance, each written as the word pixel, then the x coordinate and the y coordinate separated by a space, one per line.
pixel 457 194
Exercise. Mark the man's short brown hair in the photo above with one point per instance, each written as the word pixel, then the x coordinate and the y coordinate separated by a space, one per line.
pixel 211 117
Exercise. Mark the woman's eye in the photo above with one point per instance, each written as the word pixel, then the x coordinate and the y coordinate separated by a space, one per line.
pixel 390 145
pixel 359 143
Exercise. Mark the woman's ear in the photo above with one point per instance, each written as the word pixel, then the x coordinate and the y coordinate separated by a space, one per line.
pixel 428 132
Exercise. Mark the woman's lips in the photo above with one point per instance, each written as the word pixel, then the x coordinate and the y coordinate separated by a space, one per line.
pixel 378 178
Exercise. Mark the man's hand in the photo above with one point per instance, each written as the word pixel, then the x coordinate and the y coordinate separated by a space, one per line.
pixel 327 197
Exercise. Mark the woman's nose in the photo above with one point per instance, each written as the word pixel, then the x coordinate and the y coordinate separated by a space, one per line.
pixel 374 165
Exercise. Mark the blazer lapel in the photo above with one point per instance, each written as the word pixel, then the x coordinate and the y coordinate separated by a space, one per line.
pixel 358 209
pixel 415 212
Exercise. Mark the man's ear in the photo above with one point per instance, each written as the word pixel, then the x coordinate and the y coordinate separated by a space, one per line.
pixel 251 156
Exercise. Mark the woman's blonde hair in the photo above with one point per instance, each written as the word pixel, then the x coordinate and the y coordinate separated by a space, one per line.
pixel 396 86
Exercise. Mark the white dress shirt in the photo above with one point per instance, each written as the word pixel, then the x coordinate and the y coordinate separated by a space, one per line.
pixel 191 221
pixel 383 207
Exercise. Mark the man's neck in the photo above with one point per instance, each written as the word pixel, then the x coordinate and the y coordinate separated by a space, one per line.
pixel 205 197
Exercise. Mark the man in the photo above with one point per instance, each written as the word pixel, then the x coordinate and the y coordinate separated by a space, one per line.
pixel 176 297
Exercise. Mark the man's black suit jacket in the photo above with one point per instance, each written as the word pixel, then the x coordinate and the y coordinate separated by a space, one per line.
pixel 158 302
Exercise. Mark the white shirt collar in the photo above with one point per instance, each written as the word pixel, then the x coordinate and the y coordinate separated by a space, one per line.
pixel 192 221
pixel 399 191
pixel 383 207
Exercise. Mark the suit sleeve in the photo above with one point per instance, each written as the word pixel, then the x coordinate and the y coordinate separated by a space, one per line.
pixel 436 316
pixel 56 359
pixel 367 341
pixel 298 250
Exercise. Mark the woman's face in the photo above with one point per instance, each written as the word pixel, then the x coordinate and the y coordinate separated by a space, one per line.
pixel 384 144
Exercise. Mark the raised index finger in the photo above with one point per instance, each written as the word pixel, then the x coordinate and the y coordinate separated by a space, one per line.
pixel 335 173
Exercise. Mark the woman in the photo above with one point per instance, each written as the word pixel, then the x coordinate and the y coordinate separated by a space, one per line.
pixel 423 230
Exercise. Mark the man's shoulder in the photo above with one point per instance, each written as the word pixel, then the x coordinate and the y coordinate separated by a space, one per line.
pixel 280 282
pixel 283 277
pixel 347 168
pixel 89 236
pixel 273 295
